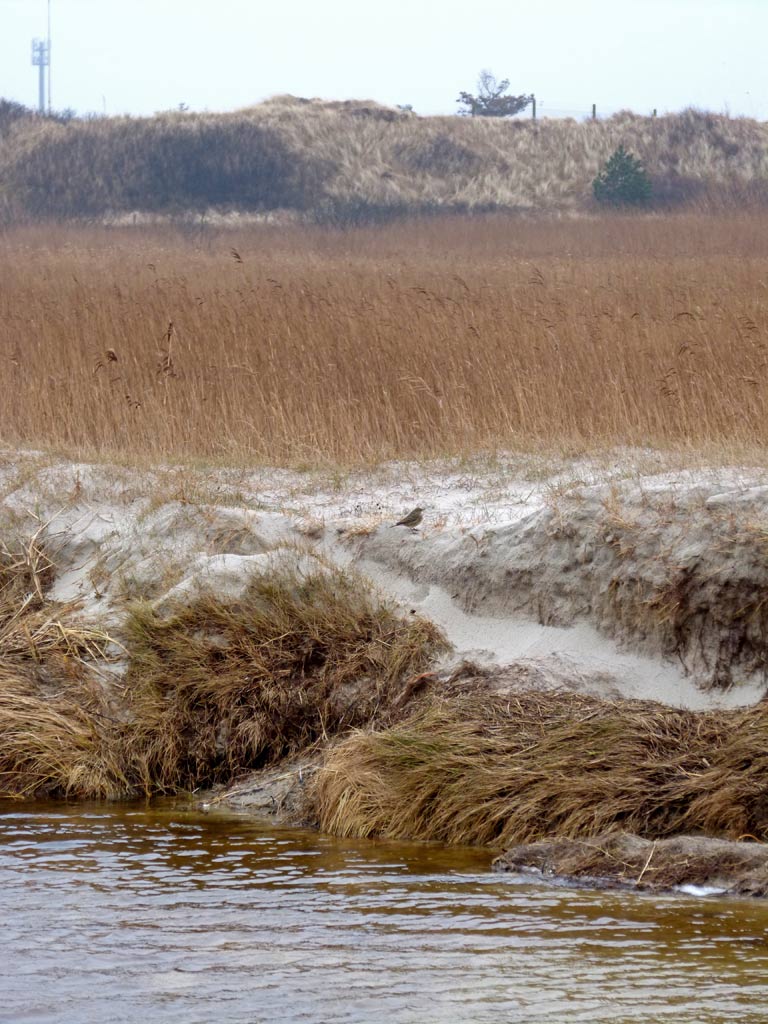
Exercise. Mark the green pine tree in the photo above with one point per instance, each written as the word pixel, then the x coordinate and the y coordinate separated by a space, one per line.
pixel 622 181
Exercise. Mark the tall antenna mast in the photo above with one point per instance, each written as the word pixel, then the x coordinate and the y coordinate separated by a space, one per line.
pixel 49 56
pixel 41 59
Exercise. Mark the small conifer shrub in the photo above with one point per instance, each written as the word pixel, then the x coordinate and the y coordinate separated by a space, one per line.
pixel 622 181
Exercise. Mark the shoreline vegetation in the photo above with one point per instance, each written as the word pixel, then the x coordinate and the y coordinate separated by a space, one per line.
pixel 211 688
pixel 309 674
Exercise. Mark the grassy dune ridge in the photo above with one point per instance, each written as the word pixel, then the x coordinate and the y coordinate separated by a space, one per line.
pixel 351 161
pixel 306 345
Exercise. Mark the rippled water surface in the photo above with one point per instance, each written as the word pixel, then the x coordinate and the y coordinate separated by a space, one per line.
pixel 166 915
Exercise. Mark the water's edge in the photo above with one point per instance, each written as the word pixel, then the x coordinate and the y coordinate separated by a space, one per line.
pixel 159 912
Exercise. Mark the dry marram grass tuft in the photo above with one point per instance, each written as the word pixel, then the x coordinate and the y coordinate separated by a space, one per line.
pixel 214 688
pixel 498 771
pixel 55 730
pixel 58 743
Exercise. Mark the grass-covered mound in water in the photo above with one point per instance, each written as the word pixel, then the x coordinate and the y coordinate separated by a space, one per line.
pixel 498 771
pixel 214 687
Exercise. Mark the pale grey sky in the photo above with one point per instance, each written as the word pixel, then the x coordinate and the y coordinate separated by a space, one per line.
pixel 139 56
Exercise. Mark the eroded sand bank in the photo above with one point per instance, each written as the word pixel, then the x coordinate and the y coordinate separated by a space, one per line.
pixel 626 581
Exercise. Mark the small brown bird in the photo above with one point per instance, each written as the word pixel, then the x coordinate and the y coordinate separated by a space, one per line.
pixel 413 518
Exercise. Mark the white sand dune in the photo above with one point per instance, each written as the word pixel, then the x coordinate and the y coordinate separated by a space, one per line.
pixel 623 579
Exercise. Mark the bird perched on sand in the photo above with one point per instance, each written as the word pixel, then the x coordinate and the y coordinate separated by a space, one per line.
pixel 413 518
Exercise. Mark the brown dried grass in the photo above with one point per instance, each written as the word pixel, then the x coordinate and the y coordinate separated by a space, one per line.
pixel 217 688
pixel 32 629
pixel 501 771
pixel 56 734
pixel 57 741
pixel 214 688
pixel 418 340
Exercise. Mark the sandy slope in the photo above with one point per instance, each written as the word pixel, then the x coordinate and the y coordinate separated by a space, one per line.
pixel 620 578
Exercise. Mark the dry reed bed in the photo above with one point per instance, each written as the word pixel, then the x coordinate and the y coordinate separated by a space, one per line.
pixel 499 771
pixel 418 340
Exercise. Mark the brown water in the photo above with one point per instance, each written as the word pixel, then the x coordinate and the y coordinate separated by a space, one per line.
pixel 125 914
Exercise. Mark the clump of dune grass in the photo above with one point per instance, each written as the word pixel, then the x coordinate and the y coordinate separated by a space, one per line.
pixel 56 741
pixel 214 688
pixel 500 771
pixel 56 733
pixel 219 687
pixel 25 570
pixel 32 629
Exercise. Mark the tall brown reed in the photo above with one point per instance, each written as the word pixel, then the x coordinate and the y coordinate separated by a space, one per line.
pixel 417 340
